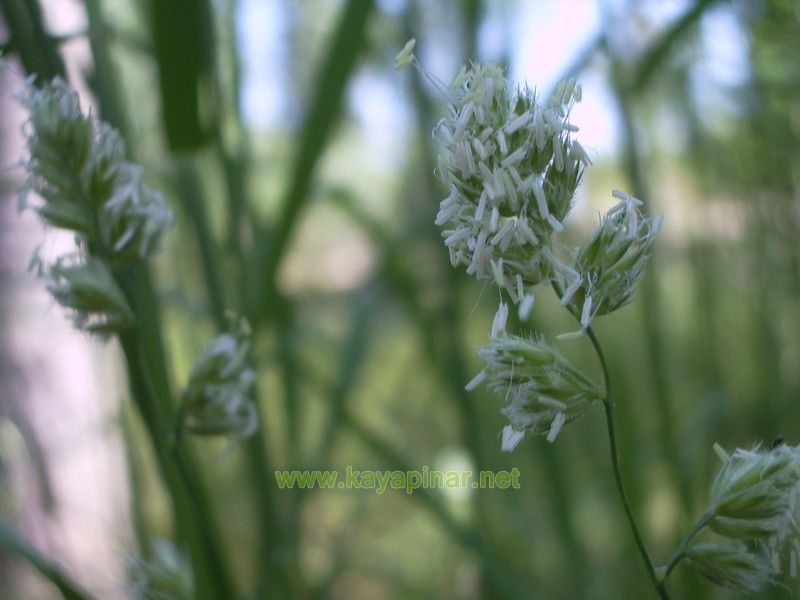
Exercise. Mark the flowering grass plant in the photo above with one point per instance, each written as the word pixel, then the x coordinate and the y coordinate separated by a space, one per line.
pixel 512 164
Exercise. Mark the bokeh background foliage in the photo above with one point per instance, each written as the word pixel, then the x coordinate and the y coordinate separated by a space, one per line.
pixel 364 335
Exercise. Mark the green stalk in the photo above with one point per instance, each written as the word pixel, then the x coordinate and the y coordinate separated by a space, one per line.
pixel 608 406
pixel 104 82
pixel 274 573
pixel 204 555
pixel 645 71
pixel 353 353
pixel 149 378
pixel 663 572
pixel 147 370
pixel 37 50
pixel 288 370
pixel 192 198
pixel 233 152
pixel 218 571
pixel 334 73
pixel 133 460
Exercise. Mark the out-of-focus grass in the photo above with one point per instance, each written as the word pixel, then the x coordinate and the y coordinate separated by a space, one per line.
pixel 366 368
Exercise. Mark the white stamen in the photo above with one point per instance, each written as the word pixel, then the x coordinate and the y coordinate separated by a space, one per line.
pixel 555 427
pixel 477 256
pixel 526 306
pixel 517 179
pixel 569 89
pixel 578 150
pixel 619 194
pixel 506 241
pixel 494 221
pixel 467 150
pixel 507 228
pixel 558 95
pixel 481 209
pixel 586 313
pixel 514 157
pixel 720 451
pixel 499 322
pixel 447 208
pixel 475 381
pixel 488 181
pixel 656 226
pixel 539 131
pixel 457 236
pixel 445 214
pixel 570 291
pixel 511 438
pixel 552 403
pixel 555 223
pixel 559 266
pixel 570 335
pixel 519 122
pixel 541 201
pixel 445 135
pixel 124 239
pixel 527 233
pixel 497 182
pixel 488 92
pixel 480 149
pixel 450 200
pixel 497 271
pixel 511 190
pixel 460 78
pixel 553 123
pixel 444 172
pixel 633 221
pixel 501 141
pixel 466 113
pixel 406 56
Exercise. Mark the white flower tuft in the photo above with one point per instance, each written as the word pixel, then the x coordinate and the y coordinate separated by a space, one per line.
pixel 543 391
pixel 610 262
pixel 514 191
pixel 218 398
pixel 752 511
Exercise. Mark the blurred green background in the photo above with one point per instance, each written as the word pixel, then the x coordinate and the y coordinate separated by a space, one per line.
pixel 300 166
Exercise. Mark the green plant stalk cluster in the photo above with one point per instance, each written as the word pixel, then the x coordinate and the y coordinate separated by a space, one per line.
pixel 77 167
